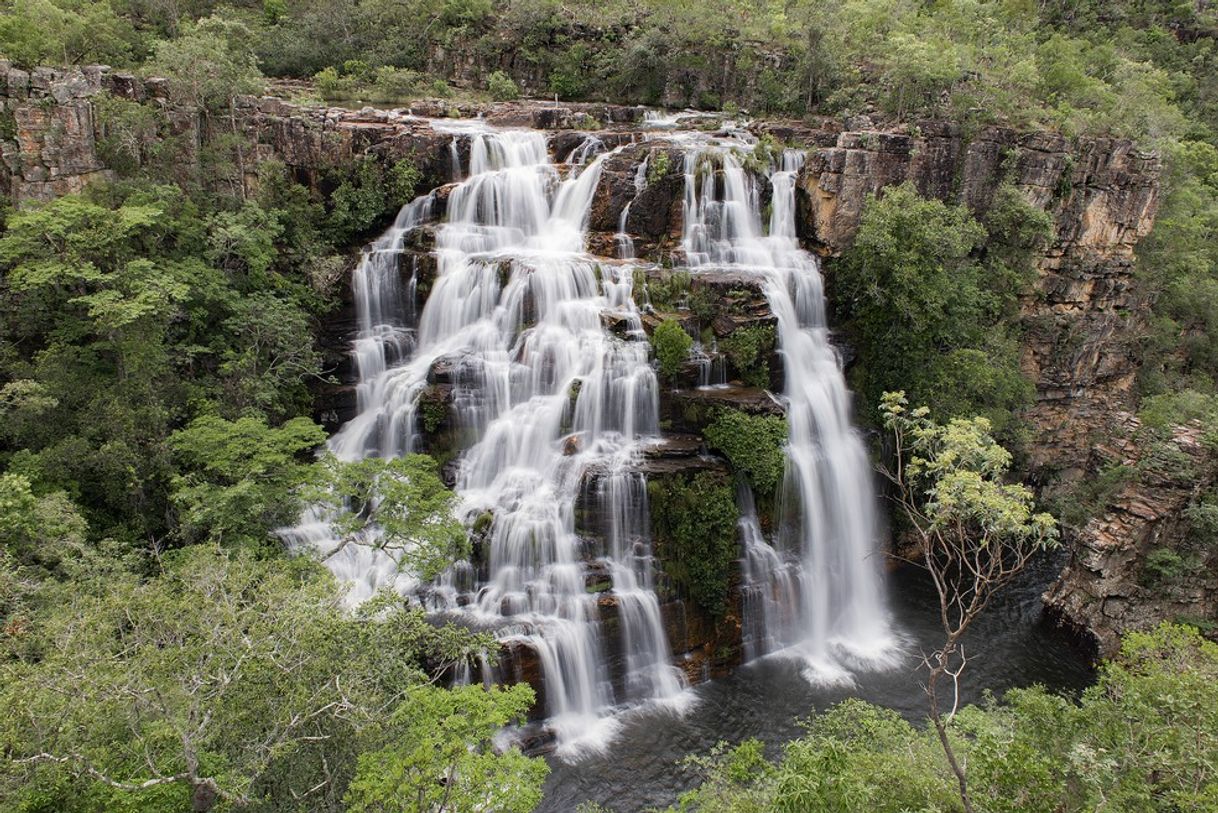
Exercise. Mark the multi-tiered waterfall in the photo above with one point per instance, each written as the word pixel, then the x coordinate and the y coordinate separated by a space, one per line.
pixel 555 409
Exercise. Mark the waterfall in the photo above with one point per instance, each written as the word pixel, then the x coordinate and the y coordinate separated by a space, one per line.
pixel 825 557
pixel 551 406
pixel 554 412
pixel 623 241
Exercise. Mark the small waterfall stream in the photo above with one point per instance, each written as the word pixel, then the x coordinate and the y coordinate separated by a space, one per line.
pixel 829 536
pixel 555 411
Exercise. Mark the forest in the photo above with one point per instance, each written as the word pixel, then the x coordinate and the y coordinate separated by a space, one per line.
pixel 165 647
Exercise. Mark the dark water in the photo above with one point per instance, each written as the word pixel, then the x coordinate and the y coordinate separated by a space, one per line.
pixel 1009 647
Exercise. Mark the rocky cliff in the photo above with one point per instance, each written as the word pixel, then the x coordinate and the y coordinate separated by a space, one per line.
pixel 1152 551
pixel 1080 321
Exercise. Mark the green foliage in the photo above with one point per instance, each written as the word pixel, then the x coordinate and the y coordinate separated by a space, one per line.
pixel 433 410
pixel 127 312
pixel 1142 738
pixel 399 505
pixel 222 679
pixel 1162 566
pixel 368 194
pixel 41 535
pixel 439 755
pixel 694 526
pixel 1090 497
pixel 749 349
pixel 671 344
pixel 501 87
pixel 1202 517
pixel 241 478
pixel 755 445
pixel 669 291
pixel 930 316
pixel 209 64
pixel 356 80
pixel 955 475
pixel 658 164
pixel 1178 265
pixel 63 32
pixel 128 132
pixel 1159 414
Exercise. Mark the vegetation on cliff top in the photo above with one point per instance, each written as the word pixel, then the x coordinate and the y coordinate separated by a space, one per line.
pixel 1129 67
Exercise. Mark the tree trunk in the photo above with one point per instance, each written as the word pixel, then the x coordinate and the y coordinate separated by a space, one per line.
pixel 941 729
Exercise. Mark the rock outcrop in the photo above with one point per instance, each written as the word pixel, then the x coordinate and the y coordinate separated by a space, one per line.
pixel 1149 555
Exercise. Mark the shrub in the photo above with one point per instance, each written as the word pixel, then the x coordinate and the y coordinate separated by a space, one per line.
pixel 501 87
pixel 694 527
pixel 1162 566
pixel 657 166
pixel 672 345
pixel 755 445
pixel 749 350
pixel 393 84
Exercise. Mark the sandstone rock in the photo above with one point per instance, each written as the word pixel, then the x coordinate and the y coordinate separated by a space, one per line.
pixel 1106 589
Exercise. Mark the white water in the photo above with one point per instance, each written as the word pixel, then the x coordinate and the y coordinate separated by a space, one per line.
pixel 554 407
pixel 824 560
pixel 553 410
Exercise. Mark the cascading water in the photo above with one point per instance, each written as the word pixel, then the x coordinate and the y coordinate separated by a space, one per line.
pixel 551 401
pixel 824 559
pixel 555 411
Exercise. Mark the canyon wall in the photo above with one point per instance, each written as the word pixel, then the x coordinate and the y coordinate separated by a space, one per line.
pixel 1081 320
pixel 1151 553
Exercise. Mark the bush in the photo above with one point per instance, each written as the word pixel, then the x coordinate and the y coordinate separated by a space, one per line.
pixel 672 345
pixel 755 445
pixel 501 87
pixel 369 194
pixel 694 528
pixel 394 84
pixel 1163 566
pixel 749 349
pixel 657 166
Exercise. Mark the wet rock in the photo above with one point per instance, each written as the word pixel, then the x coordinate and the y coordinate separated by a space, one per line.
pixel 691 410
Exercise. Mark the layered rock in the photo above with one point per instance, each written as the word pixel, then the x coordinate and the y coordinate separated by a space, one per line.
pixel 1144 558
pixel 1085 311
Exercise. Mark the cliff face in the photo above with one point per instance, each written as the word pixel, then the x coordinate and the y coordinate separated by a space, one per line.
pixel 1080 321
pixel 1150 554
pixel 1084 313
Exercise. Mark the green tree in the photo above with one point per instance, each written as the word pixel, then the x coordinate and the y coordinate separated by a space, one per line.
pixel 975 532
pixel 46 32
pixel 209 64
pixel 241 479
pixel 205 686
pixel 927 315
pixel 439 756
pixel 117 330
pixel 399 505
